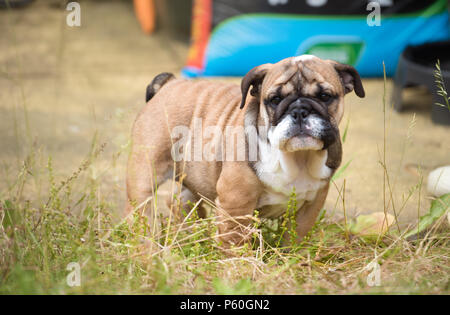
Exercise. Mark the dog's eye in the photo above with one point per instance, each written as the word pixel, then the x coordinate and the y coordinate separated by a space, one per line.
pixel 325 97
pixel 275 100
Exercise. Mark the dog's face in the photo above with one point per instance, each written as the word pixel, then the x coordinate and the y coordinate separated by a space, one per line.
pixel 301 100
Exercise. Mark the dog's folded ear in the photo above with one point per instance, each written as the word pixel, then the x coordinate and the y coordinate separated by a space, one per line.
pixel 253 79
pixel 350 79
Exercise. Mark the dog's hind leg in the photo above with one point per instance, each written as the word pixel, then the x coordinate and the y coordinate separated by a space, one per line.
pixel 147 170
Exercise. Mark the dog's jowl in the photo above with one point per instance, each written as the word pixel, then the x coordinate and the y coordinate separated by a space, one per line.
pixel 244 147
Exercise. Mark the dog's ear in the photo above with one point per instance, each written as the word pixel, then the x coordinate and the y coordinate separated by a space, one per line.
pixel 350 79
pixel 253 79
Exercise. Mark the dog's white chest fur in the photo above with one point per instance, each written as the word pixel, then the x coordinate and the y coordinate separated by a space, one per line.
pixel 281 172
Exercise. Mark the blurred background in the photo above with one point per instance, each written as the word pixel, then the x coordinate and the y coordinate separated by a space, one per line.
pixel 70 81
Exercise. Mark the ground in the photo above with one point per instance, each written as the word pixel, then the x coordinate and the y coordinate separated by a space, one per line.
pixel 66 90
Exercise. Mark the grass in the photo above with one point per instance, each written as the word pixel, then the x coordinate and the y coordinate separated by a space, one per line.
pixel 39 239
pixel 441 88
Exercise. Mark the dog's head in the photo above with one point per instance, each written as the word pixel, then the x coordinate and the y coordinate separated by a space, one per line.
pixel 301 100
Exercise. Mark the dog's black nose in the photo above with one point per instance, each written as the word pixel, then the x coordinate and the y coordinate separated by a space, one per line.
pixel 301 112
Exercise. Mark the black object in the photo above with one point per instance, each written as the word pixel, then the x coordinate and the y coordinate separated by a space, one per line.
pixel 225 9
pixel 417 66
pixel 13 3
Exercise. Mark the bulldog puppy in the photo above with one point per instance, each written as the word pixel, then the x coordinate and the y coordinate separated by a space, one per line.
pixel 287 114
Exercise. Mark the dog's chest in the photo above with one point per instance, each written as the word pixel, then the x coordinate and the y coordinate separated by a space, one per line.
pixel 284 173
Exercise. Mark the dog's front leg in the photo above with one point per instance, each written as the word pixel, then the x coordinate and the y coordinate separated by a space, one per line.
pixel 307 214
pixel 237 196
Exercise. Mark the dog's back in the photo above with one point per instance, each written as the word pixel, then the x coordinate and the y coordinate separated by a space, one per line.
pixel 176 104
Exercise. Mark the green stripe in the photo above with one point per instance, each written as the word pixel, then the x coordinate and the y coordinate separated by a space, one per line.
pixel 438 7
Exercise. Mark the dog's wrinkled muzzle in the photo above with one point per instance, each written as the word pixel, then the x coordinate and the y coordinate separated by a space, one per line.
pixel 303 110
pixel 300 108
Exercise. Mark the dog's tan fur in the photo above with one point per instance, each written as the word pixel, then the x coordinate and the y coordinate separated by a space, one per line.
pixel 233 185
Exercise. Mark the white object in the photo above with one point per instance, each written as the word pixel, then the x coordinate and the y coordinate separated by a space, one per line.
pixel 439 181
